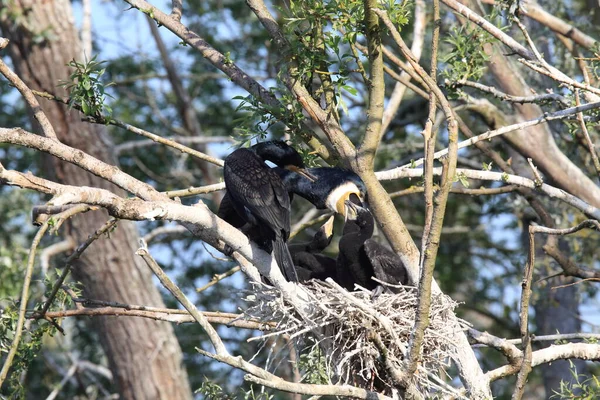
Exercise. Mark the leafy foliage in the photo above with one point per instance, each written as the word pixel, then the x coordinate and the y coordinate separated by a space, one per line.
pixel 466 58
pixel 582 387
pixel 87 90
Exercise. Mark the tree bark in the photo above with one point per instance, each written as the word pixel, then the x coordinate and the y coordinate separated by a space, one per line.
pixel 144 355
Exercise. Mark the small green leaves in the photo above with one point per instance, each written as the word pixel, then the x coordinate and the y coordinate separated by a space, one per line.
pixel 463 179
pixel 227 59
pixel 87 91
pixel 467 58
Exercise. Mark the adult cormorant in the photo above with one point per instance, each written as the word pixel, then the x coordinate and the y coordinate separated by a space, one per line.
pixel 361 257
pixel 309 264
pixel 330 188
pixel 260 199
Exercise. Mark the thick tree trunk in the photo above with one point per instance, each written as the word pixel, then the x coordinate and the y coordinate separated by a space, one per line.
pixel 144 355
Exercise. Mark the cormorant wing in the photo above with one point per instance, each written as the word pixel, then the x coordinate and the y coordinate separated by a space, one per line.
pixel 387 265
pixel 228 213
pixel 257 188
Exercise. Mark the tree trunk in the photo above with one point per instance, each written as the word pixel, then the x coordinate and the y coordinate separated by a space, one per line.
pixel 144 355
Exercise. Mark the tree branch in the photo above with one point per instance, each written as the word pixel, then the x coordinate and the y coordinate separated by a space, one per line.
pixel 28 95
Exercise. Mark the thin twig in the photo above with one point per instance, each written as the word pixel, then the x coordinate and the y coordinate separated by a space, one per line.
pixel 23 304
pixel 168 315
pixel 218 278
pixel 182 299
pixel 501 131
pixel 193 191
pixel 586 135
pixel 74 257
pixel 539 98
pixel 28 95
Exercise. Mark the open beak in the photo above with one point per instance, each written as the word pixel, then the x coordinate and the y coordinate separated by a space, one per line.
pixel 352 206
pixel 302 172
pixel 351 211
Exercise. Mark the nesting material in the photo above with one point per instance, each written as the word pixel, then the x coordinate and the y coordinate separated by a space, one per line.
pixel 364 337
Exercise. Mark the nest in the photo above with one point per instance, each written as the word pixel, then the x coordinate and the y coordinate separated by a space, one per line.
pixel 364 337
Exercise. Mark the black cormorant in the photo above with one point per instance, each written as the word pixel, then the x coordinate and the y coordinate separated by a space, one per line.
pixel 330 188
pixel 309 264
pixel 361 257
pixel 260 199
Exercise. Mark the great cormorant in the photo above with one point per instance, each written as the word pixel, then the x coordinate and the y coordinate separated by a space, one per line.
pixel 361 257
pixel 260 199
pixel 309 264
pixel 330 188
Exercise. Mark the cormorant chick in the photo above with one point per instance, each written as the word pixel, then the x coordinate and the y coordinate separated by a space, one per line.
pixel 260 199
pixel 361 257
pixel 309 264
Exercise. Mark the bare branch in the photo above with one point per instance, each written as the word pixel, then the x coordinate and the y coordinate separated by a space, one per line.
pixel 193 191
pixel 501 131
pixel 540 98
pixel 177 10
pixel 181 298
pixel 550 191
pixel 165 141
pixel 52 250
pixel 265 378
pixel 419 29
pixel 168 315
pixel 184 140
pixel 533 10
pixel 218 278
pixel 72 258
pixel 586 135
pixel 28 95
pixel 582 351
pixel 489 27
pixel 77 157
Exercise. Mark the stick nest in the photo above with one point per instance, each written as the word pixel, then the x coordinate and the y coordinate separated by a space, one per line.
pixel 364 338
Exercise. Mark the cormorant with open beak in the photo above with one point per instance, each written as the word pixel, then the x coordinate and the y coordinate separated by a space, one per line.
pixel 361 257
pixel 260 199
pixel 331 187
pixel 309 264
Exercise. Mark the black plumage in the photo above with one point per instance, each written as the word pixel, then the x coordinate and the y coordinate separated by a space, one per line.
pixel 260 199
pixel 330 188
pixel 361 257
pixel 309 264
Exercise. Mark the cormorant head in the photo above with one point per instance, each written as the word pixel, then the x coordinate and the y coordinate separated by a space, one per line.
pixel 361 217
pixel 282 155
pixel 352 190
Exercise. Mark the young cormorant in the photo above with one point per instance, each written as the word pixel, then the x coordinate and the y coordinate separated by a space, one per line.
pixel 309 264
pixel 260 199
pixel 361 257
pixel 331 188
